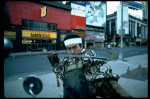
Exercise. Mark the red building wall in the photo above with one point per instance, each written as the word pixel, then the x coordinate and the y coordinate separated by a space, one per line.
pixel 78 22
pixel 19 10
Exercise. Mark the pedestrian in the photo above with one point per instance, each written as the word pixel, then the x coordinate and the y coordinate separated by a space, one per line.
pixel 81 77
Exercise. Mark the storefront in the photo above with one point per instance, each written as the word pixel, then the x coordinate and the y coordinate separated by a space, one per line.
pixel 138 41
pixel 36 26
pixel 144 42
pixel 95 24
pixel 81 33
pixel 78 18
pixel 94 37
pixel 127 41
pixel 38 40
pixel 60 38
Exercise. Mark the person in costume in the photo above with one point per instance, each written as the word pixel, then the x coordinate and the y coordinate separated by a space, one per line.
pixel 83 77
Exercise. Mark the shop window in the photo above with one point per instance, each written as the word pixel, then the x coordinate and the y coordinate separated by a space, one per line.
pixel 39 26
pixel 63 33
pixel 10 33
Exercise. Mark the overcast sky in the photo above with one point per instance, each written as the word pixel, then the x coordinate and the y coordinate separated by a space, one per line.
pixel 112 7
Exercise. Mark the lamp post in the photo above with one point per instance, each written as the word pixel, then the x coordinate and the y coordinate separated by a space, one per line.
pixel 121 57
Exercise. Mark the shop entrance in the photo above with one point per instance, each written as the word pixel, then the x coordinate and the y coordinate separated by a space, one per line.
pixel 38 36
pixel 90 45
pixel 38 45
pixel 137 43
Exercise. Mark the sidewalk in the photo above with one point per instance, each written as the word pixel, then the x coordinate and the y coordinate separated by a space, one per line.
pixel 58 51
pixel 43 53
pixel 136 88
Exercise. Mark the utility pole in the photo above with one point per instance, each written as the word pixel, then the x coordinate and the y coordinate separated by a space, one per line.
pixel 121 49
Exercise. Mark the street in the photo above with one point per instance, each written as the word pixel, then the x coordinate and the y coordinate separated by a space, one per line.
pixel 127 51
pixel 22 65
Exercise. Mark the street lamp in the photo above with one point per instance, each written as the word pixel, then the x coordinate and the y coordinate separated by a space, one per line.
pixel 121 50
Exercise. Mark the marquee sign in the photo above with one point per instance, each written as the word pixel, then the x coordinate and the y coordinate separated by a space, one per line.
pixel 39 34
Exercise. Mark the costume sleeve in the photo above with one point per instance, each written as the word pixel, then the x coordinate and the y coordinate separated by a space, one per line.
pixel 91 62
pixel 58 65
pixel 53 61
pixel 97 67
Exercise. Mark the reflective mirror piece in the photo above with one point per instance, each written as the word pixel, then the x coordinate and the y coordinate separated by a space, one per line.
pixel 8 46
pixel 32 85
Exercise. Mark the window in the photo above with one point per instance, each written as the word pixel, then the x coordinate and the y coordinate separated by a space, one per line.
pixel 10 32
pixel 107 27
pixel 39 26
pixel 113 28
pixel 130 26
pixel 137 29
pixel 133 29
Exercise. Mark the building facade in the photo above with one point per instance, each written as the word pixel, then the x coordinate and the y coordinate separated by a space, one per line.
pixel 37 25
pixel 95 24
pixel 78 18
pixel 88 19
pixel 137 34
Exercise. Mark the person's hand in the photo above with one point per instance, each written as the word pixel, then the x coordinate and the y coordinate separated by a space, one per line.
pixel 53 58
pixel 54 55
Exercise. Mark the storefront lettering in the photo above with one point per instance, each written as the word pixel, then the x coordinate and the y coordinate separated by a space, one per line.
pixel 40 35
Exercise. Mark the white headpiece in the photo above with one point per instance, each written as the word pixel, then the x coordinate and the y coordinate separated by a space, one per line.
pixel 72 41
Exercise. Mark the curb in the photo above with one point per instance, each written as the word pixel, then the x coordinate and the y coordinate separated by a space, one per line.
pixel 48 52
pixel 33 53
pixel 42 52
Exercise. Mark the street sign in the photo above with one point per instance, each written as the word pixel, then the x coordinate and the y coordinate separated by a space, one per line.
pixel 43 11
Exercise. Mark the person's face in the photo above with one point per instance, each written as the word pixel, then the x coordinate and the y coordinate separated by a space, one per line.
pixel 74 49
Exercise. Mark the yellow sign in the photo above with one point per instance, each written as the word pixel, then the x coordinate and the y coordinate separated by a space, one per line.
pixel 26 41
pixel 143 40
pixel 39 34
pixel 43 11
pixel 10 34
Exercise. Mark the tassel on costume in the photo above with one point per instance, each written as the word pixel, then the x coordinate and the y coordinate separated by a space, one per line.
pixel 58 84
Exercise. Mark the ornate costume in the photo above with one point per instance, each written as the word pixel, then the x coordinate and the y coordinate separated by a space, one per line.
pixel 84 77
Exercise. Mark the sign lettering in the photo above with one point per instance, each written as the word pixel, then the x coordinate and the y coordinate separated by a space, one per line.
pixel 39 34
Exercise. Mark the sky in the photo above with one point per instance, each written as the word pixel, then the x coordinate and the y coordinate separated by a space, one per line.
pixel 112 7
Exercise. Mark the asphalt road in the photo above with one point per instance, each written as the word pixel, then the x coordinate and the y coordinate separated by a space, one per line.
pixel 39 63
pixel 127 51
